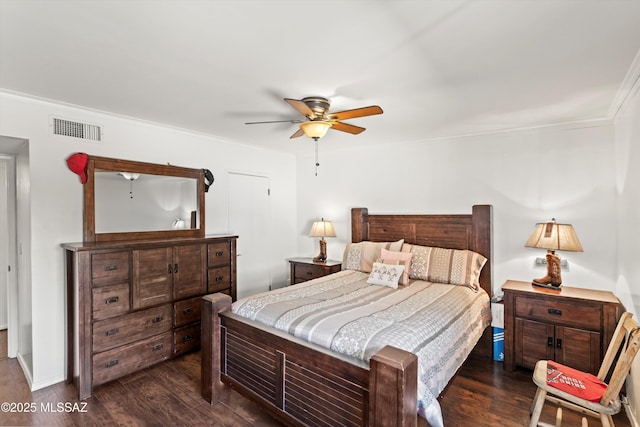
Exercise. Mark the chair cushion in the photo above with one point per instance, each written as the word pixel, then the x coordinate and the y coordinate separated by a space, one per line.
pixel 577 383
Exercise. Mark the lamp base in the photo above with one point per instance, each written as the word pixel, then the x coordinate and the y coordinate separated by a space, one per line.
pixel 546 285
pixel 322 256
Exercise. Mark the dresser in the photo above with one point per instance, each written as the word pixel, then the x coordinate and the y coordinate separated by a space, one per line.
pixel 572 326
pixel 303 269
pixel 132 304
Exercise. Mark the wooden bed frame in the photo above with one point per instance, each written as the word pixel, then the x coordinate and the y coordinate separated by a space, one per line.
pixel 300 383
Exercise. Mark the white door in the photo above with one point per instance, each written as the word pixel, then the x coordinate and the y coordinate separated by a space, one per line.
pixel 249 219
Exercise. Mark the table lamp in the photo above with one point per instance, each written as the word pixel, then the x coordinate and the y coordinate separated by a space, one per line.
pixel 553 237
pixel 322 229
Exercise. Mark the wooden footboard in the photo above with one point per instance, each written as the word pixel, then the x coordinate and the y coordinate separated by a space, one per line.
pixel 301 383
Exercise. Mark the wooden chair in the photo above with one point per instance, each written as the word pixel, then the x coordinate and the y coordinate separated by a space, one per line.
pixel 626 342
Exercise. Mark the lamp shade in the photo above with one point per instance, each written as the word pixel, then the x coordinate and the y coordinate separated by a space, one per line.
pixel 554 237
pixel 315 129
pixel 322 229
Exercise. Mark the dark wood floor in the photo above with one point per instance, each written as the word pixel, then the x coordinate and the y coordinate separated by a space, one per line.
pixel 168 395
pixel 3 344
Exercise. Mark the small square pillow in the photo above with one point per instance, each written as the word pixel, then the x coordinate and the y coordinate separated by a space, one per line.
pixel 400 258
pixel 385 274
pixel 577 383
pixel 440 265
pixel 361 256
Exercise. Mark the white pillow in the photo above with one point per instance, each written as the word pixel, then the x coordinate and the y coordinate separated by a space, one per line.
pixel 385 274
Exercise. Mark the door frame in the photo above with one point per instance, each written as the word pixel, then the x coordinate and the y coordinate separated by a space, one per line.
pixel 8 219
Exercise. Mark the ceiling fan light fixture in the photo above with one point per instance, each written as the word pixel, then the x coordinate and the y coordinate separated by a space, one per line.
pixel 315 129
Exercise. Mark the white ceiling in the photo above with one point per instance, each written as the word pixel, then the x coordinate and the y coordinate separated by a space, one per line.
pixel 437 68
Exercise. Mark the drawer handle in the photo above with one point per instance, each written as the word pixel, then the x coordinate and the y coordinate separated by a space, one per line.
pixel 219 279
pixel 187 311
pixel 175 268
pixel 157 347
pixel 157 319
pixel 309 273
pixel 111 363
pixel 558 343
pixel 111 267
pixel 555 311
pixel 219 253
pixel 111 332
pixel 549 341
pixel 111 300
pixel 187 338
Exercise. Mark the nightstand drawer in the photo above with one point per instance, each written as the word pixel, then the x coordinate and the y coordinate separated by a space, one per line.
pixel 568 313
pixel 308 272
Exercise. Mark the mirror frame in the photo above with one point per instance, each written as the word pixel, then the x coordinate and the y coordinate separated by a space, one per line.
pixel 104 164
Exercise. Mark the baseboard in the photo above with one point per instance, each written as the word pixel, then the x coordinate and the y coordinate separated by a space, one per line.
pixel 632 419
pixel 25 369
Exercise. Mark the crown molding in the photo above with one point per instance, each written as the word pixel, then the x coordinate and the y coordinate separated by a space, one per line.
pixel 628 87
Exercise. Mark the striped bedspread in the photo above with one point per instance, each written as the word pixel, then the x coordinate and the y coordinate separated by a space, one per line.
pixel 439 323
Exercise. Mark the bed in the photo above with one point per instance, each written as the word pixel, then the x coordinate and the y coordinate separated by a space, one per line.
pixel 310 379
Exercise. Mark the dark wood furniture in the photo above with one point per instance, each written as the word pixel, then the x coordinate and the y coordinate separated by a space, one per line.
pixel 572 326
pixel 301 383
pixel 303 269
pixel 133 297
pixel 132 304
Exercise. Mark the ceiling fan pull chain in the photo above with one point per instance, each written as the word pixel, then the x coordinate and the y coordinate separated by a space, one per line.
pixel 317 164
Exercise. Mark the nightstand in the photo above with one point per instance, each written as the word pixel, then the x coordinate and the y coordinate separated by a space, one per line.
pixel 303 269
pixel 572 326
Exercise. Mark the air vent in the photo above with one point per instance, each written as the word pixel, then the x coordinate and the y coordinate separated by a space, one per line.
pixel 77 129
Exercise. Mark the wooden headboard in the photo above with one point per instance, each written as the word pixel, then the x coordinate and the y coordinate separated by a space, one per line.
pixel 454 231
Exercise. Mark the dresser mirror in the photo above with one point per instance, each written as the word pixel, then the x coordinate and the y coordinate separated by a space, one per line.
pixel 128 200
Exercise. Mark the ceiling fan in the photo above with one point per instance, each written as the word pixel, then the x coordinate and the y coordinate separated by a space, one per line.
pixel 319 120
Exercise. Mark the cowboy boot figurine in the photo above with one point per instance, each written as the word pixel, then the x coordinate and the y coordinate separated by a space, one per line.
pixel 553 278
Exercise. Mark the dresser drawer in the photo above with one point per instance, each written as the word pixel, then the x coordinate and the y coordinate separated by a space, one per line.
pixel 219 254
pixel 308 272
pixel 186 339
pixel 115 363
pixel 187 311
pixel 566 313
pixel 219 279
pixel 110 300
pixel 109 268
pixel 121 330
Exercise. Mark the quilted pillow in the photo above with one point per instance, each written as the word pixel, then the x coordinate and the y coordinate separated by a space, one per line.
pixel 361 256
pixel 400 258
pixel 385 274
pixel 440 265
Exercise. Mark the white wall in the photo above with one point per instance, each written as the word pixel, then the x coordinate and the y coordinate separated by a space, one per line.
pixel 56 200
pixel 528 177
pixel 627 149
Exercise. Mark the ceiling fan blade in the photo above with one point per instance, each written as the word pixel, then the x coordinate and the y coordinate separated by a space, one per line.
pixel 301 107
pixel 345 127
pixel 275 121
pixel 297 134
pixel 357 112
